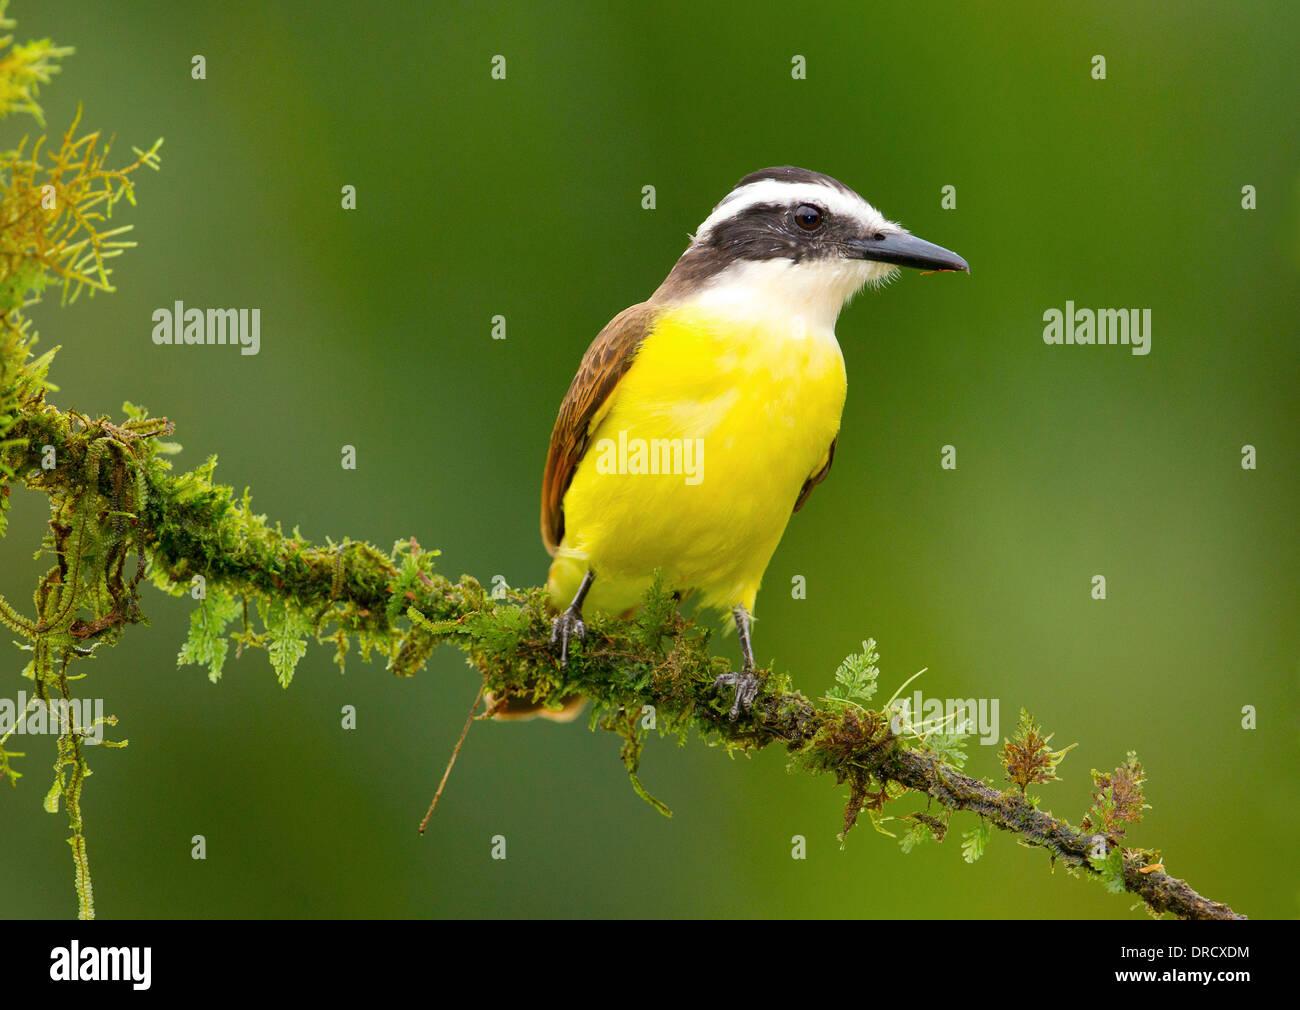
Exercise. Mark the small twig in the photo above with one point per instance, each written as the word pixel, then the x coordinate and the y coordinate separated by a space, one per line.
pixel 447 774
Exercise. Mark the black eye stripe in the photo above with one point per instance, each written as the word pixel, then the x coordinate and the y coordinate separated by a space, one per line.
pixel 769 230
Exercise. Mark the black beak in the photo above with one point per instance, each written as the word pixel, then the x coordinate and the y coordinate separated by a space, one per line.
pixel 906 251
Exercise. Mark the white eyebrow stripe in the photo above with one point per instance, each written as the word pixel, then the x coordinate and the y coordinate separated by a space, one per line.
pixel 785 193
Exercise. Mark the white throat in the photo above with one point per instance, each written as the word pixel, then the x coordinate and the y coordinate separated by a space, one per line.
pixel 804 296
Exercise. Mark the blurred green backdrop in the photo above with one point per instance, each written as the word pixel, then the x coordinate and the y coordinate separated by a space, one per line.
pixel 522 198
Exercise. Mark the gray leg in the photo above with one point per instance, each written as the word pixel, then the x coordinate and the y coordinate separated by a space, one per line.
pixel 745 682
pixel 569 624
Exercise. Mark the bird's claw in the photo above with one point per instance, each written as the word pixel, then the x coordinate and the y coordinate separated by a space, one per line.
pixel 568 625
pixel 746 685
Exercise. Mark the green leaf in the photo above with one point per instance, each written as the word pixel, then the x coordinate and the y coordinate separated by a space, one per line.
pixel 916 834
pixel 288 630
pixel 974 842
pixel 51 803
pixel 949 747
pixel 206 644
pixel 856 677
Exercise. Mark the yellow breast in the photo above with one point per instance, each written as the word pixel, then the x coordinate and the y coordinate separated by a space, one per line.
pixel 698 456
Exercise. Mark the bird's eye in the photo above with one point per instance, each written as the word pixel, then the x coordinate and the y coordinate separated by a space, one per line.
pixel 808 217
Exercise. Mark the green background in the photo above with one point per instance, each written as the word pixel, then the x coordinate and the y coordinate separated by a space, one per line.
pixel 523 197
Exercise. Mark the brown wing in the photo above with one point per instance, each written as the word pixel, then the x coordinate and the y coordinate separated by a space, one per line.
pixel 818 477
pixel 605 363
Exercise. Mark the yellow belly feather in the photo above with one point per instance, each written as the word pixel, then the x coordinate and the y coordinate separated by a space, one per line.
pixel 764 403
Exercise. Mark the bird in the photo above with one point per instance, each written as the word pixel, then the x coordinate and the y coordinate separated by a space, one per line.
pixel 700 420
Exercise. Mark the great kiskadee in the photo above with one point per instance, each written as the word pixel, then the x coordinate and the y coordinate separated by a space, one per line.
pixel 702 419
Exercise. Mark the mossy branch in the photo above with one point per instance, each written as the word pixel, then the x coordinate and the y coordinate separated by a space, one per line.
pixel 396 604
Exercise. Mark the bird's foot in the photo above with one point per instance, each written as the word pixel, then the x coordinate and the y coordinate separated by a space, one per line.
pixel 746 685
pixel 568 625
